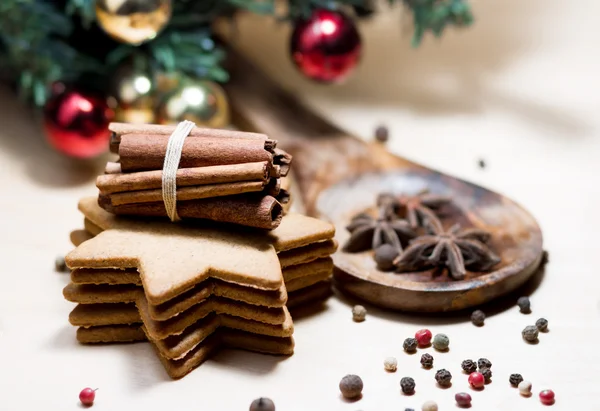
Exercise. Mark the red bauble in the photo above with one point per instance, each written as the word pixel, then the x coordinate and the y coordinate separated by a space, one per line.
pixel 326 47
pixel 423 337
pixel 76 122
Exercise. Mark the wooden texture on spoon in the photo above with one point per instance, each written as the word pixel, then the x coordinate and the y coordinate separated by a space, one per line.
pixel 339 175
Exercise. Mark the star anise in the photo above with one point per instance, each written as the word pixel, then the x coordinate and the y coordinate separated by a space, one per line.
pixel 368 232
pixel 455 249
pixel 415 207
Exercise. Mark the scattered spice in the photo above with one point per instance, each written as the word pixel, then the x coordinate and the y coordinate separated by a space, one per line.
pixel 443 377
pixel 454 249
pixel 359 313
pixel 419 207
pixel 384 256
pixel 542 325
pixel 484 363
pixel 463 399
pixel 87 396
pixel 441 342
pixel 524 304
pixel 515 379
pixel 368 232
pixel 407 385
pixel 410 345
pixel 429 406
pixel 530 333
pixel 545 258
pixel 478 317
pixel 476 379
pixel 427 360
pixel 423 337
pixel 469 366
pixel 547 397
pixel 262 404
pixel 487 374
pixel 525 388
pixel 59 264
pixel 409 409
pixel 390 364
pixel 351 386
pixel 382 134
pixel 481 163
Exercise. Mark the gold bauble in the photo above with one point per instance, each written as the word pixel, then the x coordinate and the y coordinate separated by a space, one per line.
pixel 203 102
pixel 133 89
pixel 133 21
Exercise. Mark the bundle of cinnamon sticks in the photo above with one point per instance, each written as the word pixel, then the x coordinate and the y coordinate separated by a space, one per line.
pixel 224 175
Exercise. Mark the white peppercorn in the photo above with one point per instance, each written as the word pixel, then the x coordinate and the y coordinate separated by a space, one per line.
pixel 351 386
pixel 262 404
pixel 525 388
pixel 429 406
pixel 359 313
pixel 524 304
pixel 390 364
pixel 542 325
pixel 441 342
pixel 530 333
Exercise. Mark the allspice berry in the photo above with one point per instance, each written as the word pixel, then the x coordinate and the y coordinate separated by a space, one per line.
pixel 524 304
pixel 441 342
pixel 427 360
pixel 407 385
pixel 542 325
pixel 262 404
pixel 359 313
pixel 530 333
pixel 487 374
pixel 351 386
pixel 410 345
pixel 478 318
pixel 515 379
pixel 385 255
pixel 59 264
pixel 469 366
pixel 390 364
pixel 484 363
pixel 382 134
pixel 443 378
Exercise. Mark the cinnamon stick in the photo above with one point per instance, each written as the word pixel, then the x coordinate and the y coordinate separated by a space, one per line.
pixel 284 160
pixel 197 176
pixel 147 152
pixel 187 193
pixel 253 210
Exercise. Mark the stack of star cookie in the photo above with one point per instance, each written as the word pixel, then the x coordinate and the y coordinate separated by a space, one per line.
pixel 190 289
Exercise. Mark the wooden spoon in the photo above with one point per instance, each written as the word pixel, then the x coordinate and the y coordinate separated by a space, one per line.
pixel 339 175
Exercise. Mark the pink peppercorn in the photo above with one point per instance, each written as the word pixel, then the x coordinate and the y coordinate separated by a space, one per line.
pixel 423 337
pixel 476 379
pixel 547 397
pixel 463 399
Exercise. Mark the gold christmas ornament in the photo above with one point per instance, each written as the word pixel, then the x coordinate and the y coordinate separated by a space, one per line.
pixel 203 102
pixel 133 89
pixel 133 21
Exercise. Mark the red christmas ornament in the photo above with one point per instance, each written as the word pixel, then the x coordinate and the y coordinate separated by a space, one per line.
pixel 326 47
pixel 476 379
pixel 547 397
pixel 423 337
pixel 76 122
pixel 87 396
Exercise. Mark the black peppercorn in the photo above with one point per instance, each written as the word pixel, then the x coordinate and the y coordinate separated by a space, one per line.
pixel 478 317
pixel 469 366
pixel 262 404
pixel 408 385
pixel 484 363
pixel 410 345
pixel 530 333
pixel 487 374
pixel 382 134
pixel 542 324
pixel 515 379
pixel 443 377
pixel 524 304
pixel 481 163
pixel 385 255
pixel 351 386
pixel 427 360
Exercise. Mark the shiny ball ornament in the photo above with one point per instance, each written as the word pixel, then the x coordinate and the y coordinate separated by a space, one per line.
pixel 133 89
pixel 203 102
pixel 76 122
pixel 326 47
pixel 133 21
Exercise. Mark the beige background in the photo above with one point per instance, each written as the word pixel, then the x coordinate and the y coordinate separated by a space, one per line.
pixel 519 90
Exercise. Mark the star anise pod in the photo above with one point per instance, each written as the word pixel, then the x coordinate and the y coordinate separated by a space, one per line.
pixel 368 232
pixel 415 208
pixel 455 249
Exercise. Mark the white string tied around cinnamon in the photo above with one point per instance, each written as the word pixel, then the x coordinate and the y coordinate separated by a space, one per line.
pixel 171 165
